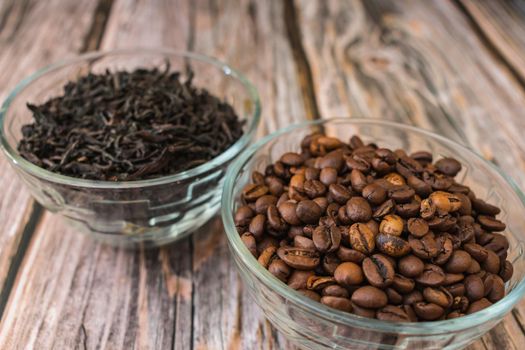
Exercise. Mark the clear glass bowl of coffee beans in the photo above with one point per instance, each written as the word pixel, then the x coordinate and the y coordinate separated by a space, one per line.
pixel 359 233
pixel 130 146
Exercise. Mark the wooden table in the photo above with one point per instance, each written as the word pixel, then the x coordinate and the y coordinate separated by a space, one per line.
pixel 454 67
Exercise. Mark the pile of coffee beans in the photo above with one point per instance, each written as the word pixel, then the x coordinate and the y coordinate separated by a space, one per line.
pixel 375 232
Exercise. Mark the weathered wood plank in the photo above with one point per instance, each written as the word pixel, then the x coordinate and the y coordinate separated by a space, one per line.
pixel 31 36
pixel 107 297
pixel 419 63
pixel 503 24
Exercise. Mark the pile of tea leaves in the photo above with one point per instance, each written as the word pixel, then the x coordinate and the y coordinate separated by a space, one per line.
pixel 123 126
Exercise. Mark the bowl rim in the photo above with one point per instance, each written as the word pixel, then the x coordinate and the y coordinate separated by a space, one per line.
pixel 26 166
pixel 495 311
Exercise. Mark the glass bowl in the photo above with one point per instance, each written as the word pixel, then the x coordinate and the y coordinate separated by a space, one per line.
pixel 150 212
pixel 312 325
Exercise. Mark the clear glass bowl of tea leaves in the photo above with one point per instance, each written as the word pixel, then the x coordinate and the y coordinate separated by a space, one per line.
pixel 131 145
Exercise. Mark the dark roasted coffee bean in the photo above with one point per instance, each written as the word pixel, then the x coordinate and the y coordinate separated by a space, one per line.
pixel 446 248
pixel 330 263
pixel 275 221
pixel 378 270
pixel 492 263
pixel 393 313
pixel 408 210
pixel 328 176
pixel 476 251
pixel 314 188
pixel 348 274
pixel 454 314
pixel 362 238
pixel 256 226
pixel 299 258
pixel 419 186
pixel 351 255
pixel 392 245
pixel 258 178
pixel 460 303
pixel 335 290
pixel 425 247
pixel 279 269
pixel 394 297
pixel 338 303
pixel 298 279
pixel 312 174
pixel 251 192
pixel 432 276
pixel 474 287
pixel 412 297
pixel 423 157
pixel 358 209
pixel 490 224
pixel 339 193
pixel 411 266
pixel 363 312
pixel 403 284
pixel 243 216
pixel 439 296
pixel 482 207
pixel 358 180
pixel 303 242
pixel 291 159
pixel 343 217
pixel 275 185
pixel 384 209
pixel 506 271
pixel 452 278
pixel 374 194
pixel 326 239
pixel 474 267
pixel 356 162
pixel 417 227
pixel 498 290
pixel 457 290
pixel 466 205
pixel 448 166
pixel 478 306
pixel 249 241
pixel 310 294
pixel 391 225
pixel 459 262
pixel 370 297
pixel 401 194
pixel 308 211
pixel 262 203
pixel 428 311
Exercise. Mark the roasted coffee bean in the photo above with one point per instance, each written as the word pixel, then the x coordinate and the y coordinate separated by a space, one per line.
pixel 498 290
pixel 408 210
pixel 358 180
pixel 454 314
pixel 425 248
pixel 275 185
pixel 374 194
pixel 459 262
pixel 417 227
pixel 432 276
pixel 401 194
pixel 298 279
pixel 358 209
pixel 312 174
pixel 251 192
pixel 446 247
pixel 370 297
pixel 460 303
pixel 452 278
pixel 384 209
pixel 349 274
pixel 378 270
pixel 249 241
pixel 393 313
pixel 474 267
pixel 394 297
pixel 478 306
pixel 423 157
pixel 411 266
pixel 258 178
pixel 339 193
pixel 439 296
pixel 506 271
pixel 445 202
pixel 391 225
pixel 403 284
pixel 335 290
pixel 243 216
pixel 427 209
pixel 362 238
pixel 343 217
pixel 499 244
pixel 457 290
pixel 482 207
pixel 363 312
pixel 474 287
pixel 419 186
pixel 356 162
pixel 291 159
pixel 328 176
pixel 490 224
pixel 476 251
pixel 267 255
pixel 299 258
pixel 338 303
pixel 448 166
pixel 256 226
pixel 279 269
pixel 308 211
pixel 395 179
pixel 310 294
pixel 428 311
pixel 314 188
pixel 392 245
pixel 303 242
pixel 351 255
pixel 373 226
pixel 466 205
pixel 319 282
pixel 326 239
pixel 492 263
pixel 262 203
pixel 413 297
pixel 275 221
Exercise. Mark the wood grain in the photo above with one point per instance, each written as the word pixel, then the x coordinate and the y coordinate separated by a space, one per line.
pixel 186 295
pixel 31 36
pixel 418 63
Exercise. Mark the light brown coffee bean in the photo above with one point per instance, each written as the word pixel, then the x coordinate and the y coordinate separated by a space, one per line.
pixel 362 238
pixel 252 192
pixel 299 258
pixel 249 241
pixel 348 274
pixel 391 225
